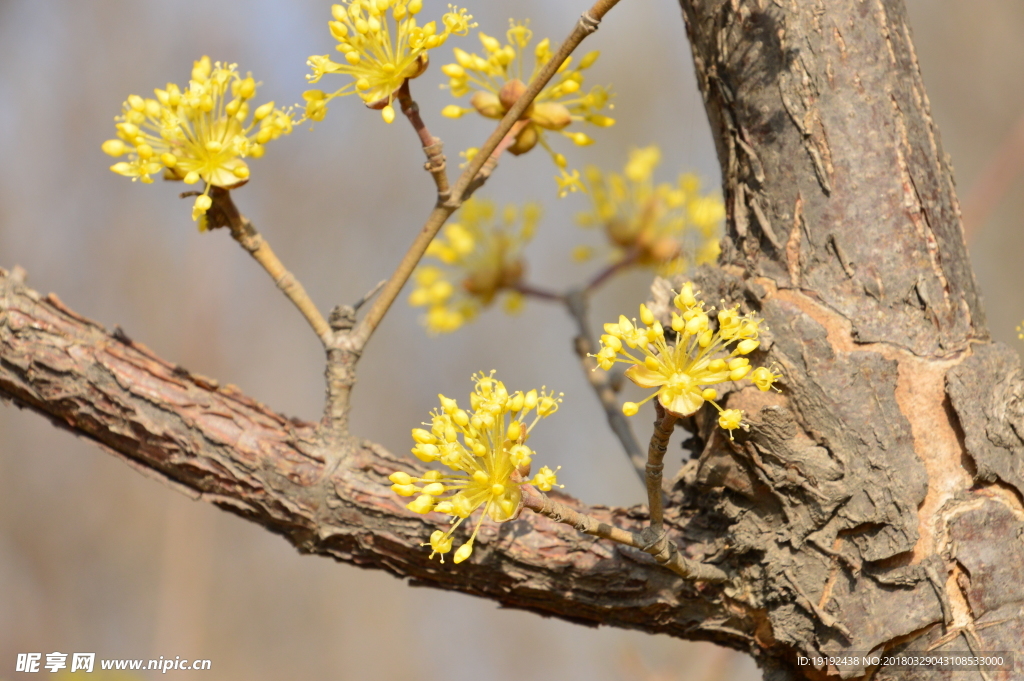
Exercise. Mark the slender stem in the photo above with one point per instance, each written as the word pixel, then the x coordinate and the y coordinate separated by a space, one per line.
pixel 663 550
pixel 432 146
pixel 340 377
pixel 577 304
pixel 603 383
pixel 663 426
pixel 340 373
pixel 612 269
pixel 539 293
pixel 485 160
pixel 223 212
pixel 442 211
pixel 365 328
pixel 541 503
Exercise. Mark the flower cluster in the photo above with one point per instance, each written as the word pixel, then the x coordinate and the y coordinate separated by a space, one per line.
pixel 664 226
pixel 379 57
pixel 200 133
pixel 498 79
pixel 482 257
pixel 489 464
pixel 683 370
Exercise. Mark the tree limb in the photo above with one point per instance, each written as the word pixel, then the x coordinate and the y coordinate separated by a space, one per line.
pixel 215 444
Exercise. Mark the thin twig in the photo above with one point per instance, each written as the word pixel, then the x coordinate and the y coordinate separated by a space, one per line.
pixel 369 295
pixel 539 293
pixel 664 551
pixel 585 26
pixel 559 512
pixel 577 304
pixel 612 269
pixel 432 146
pixel 663 426
pixel 340 376
pixel 224 213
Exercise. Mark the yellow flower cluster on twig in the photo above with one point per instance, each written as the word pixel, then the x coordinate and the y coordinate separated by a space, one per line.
pixel 480 258
pixel 487 452
pixel 499 78
pixel 699 357
pixel 664 226
pixel 200 133
pixel 379 56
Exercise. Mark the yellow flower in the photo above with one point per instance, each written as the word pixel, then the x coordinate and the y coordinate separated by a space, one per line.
pixel 489 464
pixel 379 54
pixel 764 378
pixel 480 257
pixel 569 183
pixel 200 133
pixel 683 370
pixel 661 226
pixel 498 79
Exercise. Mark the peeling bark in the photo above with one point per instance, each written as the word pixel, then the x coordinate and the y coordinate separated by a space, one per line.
pixel 874 505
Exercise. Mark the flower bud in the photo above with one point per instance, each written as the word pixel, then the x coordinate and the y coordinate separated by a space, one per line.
pixel 487 104
pixel 510 93
pixel 551 115
pixel 464 552
pixel 421 504
pixel 526 140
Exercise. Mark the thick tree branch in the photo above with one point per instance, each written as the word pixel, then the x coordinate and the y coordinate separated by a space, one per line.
pixel 217 445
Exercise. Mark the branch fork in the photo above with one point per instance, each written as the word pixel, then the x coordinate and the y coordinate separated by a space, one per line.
pixel 344 338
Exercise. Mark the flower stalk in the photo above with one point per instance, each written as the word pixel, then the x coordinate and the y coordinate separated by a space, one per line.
pixel 664 551
pixel 224 213
pixel 663 426
pixel 433 147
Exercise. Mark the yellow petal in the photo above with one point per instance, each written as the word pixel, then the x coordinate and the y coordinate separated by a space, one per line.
pixel 644 377
pixel 683 404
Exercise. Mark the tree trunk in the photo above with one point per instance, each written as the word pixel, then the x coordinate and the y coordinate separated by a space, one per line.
pixel 878 500
pixel 874 505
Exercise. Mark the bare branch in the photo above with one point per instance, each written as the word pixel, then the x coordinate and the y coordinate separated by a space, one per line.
pixel 655 544
pixel 433 147
pixel 577 304
pixel 224 213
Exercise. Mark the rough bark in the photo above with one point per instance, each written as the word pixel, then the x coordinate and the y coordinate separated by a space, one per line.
pixel 215 444
pixel 861 494
pixel 874 505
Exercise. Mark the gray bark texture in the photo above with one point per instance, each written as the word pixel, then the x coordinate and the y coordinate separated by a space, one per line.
pixel 875 504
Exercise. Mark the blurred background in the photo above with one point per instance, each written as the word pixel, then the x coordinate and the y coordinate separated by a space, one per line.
pixel 95 558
